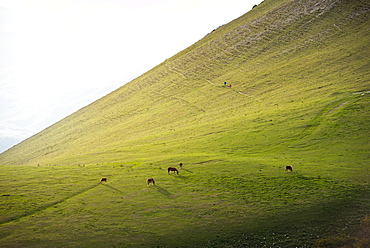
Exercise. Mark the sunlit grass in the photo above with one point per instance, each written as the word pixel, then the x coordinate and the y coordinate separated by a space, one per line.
pixel 299 97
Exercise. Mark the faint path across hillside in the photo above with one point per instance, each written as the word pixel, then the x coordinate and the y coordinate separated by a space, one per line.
pixel 171 69
pixel 46 206
pixel 245 94
pixel 329 109
pixel 188 103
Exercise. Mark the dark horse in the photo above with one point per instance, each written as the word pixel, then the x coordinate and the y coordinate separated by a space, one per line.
pixel 172 169
pixel 289 168
pixel 103 179
pixel 150 181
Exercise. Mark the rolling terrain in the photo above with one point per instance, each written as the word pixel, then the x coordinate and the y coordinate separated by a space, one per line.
pixel 297 91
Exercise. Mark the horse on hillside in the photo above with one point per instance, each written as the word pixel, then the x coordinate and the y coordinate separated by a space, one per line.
pixel 172 169
pixel 103 179
pixel 288 168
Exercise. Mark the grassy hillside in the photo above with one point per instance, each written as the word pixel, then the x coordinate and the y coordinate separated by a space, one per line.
pixel 300 91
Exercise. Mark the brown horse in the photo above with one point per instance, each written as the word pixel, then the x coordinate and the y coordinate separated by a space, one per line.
pixel 289 168
pixel 150 181
pixel 180 165
pixel 172 169
pixel 103 179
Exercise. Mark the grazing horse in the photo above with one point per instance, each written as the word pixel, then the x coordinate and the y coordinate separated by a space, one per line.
pixel 180 165
pixel 150 181
pixel 103 179
pixel 289 168
pixel 172 169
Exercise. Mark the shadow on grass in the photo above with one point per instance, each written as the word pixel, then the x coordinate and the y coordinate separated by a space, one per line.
pixel 45 206
pixel 301 226
pixel 296 226
pixel 164 191
pixel 187 170
pixel 179 176
pixel 182 177
pixel 110 186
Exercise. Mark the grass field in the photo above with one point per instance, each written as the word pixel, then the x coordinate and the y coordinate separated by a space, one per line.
pixel 300 92
pixel 225 201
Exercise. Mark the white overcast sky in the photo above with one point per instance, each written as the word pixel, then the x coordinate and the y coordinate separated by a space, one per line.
pixel 57 56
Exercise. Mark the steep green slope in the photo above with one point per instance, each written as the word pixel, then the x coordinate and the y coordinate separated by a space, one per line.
pixel 286 61
pixel 300 91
